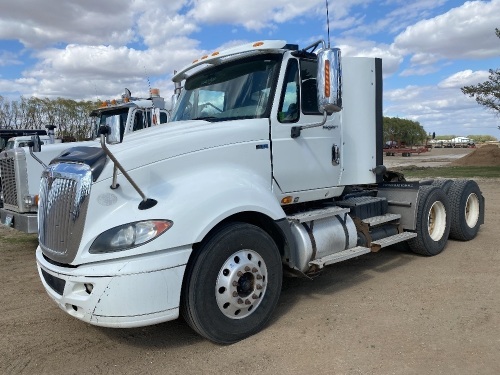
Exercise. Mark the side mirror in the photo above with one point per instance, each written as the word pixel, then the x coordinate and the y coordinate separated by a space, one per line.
pixel 329 81
pixel 175 97
pixel 114 131
pixel 36 143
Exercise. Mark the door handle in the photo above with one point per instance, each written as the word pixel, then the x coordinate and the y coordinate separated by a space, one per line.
pixel 335 155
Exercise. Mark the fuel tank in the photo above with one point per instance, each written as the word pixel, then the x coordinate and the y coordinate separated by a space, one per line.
pixel 318 238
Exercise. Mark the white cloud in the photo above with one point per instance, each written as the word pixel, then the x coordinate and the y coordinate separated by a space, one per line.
pixel 440 110
pixel 464 78
pixel 37 24
pixel 391 58
pixel 9 58
pixel 80 71
pixel 402 14
pixel 253 15
pixel 467 31
pixel 421 71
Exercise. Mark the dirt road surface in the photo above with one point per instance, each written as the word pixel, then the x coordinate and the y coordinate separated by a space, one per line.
pixel 388 313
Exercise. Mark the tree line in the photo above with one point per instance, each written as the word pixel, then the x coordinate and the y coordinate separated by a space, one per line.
pixel 69 116
pixel 403 131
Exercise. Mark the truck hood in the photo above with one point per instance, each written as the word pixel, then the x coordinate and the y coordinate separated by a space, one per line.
pixel 183 137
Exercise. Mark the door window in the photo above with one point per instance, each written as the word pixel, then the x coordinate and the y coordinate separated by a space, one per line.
pixel 309 100
pixel 289 106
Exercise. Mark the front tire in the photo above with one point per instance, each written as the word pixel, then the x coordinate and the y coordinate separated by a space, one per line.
pixel 233 283
pixel 467 209
pixel 433 221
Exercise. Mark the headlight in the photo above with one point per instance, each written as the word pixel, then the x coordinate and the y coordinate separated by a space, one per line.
pixel 129 235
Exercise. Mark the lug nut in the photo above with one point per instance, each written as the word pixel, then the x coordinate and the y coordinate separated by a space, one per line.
pixel 255 296
pixel 247 268
pixel 235 283
pixel 247 302
pixel 240 301
pixel 235 294
pixel 259 286
pixel 240 273
pixel 254 270
pixel 259 277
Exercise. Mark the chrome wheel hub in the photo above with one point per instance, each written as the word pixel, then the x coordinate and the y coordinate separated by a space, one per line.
pixel 241 284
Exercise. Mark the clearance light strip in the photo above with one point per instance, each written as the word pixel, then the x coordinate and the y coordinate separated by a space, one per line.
pixel 214 57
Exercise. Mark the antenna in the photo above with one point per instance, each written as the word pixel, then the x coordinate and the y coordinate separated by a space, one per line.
pixel 153 115
pixel 147 77
pixel 328 23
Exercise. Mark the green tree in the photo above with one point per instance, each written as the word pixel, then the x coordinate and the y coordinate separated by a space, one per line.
pixel 481 138
pixel 70 117
pixel 487 93
pixel 403 131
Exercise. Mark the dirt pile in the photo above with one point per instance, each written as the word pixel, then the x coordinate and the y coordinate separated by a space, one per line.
pixel 485 156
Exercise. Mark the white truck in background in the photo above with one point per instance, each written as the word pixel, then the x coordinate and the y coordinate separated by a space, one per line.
pixel 23 141
pixel 272 160
pixel 21 173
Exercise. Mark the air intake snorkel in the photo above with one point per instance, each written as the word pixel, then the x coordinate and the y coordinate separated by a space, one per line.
pixel 107 134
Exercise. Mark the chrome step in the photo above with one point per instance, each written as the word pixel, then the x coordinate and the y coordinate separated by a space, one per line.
pixel 377 220
pixel 378 244
pixel 340 256
pixel 317 214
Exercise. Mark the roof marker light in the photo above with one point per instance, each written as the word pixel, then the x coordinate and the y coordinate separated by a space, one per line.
pixel 258 44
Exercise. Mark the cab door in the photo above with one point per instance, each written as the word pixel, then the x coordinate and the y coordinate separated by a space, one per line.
pixel 309 161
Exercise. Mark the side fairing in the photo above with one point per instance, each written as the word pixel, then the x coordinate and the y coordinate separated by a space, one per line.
pixel 361 120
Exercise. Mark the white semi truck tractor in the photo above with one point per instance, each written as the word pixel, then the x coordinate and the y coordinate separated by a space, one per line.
pixel 272 161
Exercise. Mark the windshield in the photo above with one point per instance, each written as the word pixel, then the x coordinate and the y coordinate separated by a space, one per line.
pixel 10 145
pixel 237 90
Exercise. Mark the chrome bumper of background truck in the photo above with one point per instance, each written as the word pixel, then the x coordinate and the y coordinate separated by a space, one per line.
pixel 26 222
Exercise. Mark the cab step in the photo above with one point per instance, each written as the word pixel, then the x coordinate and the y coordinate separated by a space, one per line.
pixel 321 213
pixel 382 219
pixel 340 256
pixel 384 242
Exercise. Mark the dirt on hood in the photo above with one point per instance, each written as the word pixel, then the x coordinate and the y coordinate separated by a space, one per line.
pixel 484 156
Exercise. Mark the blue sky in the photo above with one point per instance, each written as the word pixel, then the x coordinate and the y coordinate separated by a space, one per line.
pixel 93 49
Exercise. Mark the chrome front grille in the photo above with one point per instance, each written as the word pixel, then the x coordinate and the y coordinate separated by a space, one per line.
pixel 14 180
pixel 64 196
pixel 8 175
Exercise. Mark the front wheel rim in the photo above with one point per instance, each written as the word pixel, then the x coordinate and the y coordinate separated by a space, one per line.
pixel 241 284
pixel 437 221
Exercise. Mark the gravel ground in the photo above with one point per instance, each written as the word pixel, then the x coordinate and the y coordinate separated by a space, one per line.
pixel 390 312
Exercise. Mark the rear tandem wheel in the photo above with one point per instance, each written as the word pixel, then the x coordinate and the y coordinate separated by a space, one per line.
pixel 433 221
pixel 467 209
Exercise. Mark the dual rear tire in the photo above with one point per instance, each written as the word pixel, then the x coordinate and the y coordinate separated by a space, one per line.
pixel 432 222
pixel 447 208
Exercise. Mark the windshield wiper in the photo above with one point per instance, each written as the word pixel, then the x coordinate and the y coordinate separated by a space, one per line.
pixel 207 118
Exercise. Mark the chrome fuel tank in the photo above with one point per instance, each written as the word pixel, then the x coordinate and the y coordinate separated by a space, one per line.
pixel 319 238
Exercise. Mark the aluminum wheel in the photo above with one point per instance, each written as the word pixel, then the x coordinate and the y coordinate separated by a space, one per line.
pixel 437 220
pixel 241 284
pixel 472 210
